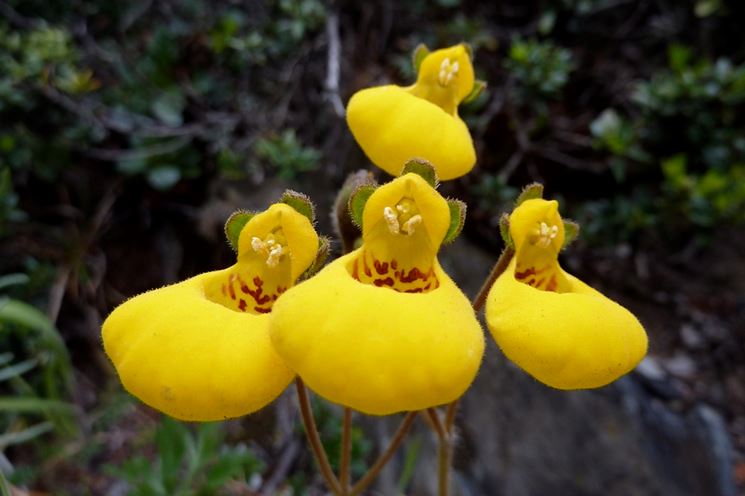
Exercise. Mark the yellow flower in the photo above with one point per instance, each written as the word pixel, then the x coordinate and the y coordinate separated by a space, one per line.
pixel 394 124
pixel 384 329
pixel 200 349
pixel 555 327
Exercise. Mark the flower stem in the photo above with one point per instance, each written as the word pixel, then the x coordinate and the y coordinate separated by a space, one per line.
pixel 446 434
pixel 478 302
pixel 314 439
pixel 444 458
pixel 346 451
pixel 398 438
pixel 436 424
pixel 504 260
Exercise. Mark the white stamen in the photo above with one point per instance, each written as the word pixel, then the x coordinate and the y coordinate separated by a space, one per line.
pixel 257 244
pixel 275 252
pixel 391 219
pixel 447 71
pixel 410 225
pixel 546 234
pixel 271 248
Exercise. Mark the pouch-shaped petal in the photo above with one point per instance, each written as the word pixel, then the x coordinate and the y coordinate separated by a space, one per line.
pixel 555 327
pixel 374 349
pixel 384 329
pixel 578 339
pixel 192 358
pixel 200 349
pixel 393 124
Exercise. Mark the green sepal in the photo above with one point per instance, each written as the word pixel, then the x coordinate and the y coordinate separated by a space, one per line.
pixel 357 201
pixel 418 55
pixel 346 229
pixel 571 232
pixel 234 225
pixel 469 50
pixel 478 87
pixel 530 192
pixel 504 230
pixel 457 219
pixel 300 203
pixel 422 168
pixel 324 249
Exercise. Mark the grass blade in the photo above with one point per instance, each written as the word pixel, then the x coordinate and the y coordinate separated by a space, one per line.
pixel 25 435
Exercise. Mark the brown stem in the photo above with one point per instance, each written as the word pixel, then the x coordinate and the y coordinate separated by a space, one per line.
pixel 314 439
pixel 450 416
pixel 504 260
pixel 436 424
pixel 346 451
pixel 445 449
pixel 444 453
pixel 398 438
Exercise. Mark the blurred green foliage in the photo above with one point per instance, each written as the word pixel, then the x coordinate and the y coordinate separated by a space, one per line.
pixel 683 149
pixel 188 462
pixel 540 68
pixel 35 372
pixel 286 155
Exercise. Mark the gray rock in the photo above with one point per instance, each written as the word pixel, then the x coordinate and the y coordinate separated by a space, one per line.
pixel 521 438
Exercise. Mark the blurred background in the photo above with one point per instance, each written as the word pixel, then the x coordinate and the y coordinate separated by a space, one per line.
pixel 129 131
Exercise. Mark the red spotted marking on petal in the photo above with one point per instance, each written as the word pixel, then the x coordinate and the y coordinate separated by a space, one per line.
pixel 388 281
pixel 380 267
pixel 242 305
pixel 262 310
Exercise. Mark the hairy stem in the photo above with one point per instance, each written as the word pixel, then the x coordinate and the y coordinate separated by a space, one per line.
pixel 314 439
pixel 398 438
pixel 446 435
pixel 504 260
pixel 444 459
pixel 346 451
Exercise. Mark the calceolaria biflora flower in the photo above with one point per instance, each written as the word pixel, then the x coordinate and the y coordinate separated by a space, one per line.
pixel 554 326
pixel 383 329
pixel 200 349
pixel 393 124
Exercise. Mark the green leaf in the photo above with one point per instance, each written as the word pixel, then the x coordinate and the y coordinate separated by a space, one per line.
pixel 457 219
pixel 571 232
pixel 504 230
pixel 530 192
pixel 169 107
pixel 234 225
pixel 25 435
pixel 6 357
pixel 33 404
pixel 23 314
pixel 420 52
pixel 13 280
pixel 18 369
pixel 357 201
pixel 422 168
pixel 478 88
pixel 163 177
pixel 300 202
pixel 5 489
pixel 324 249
